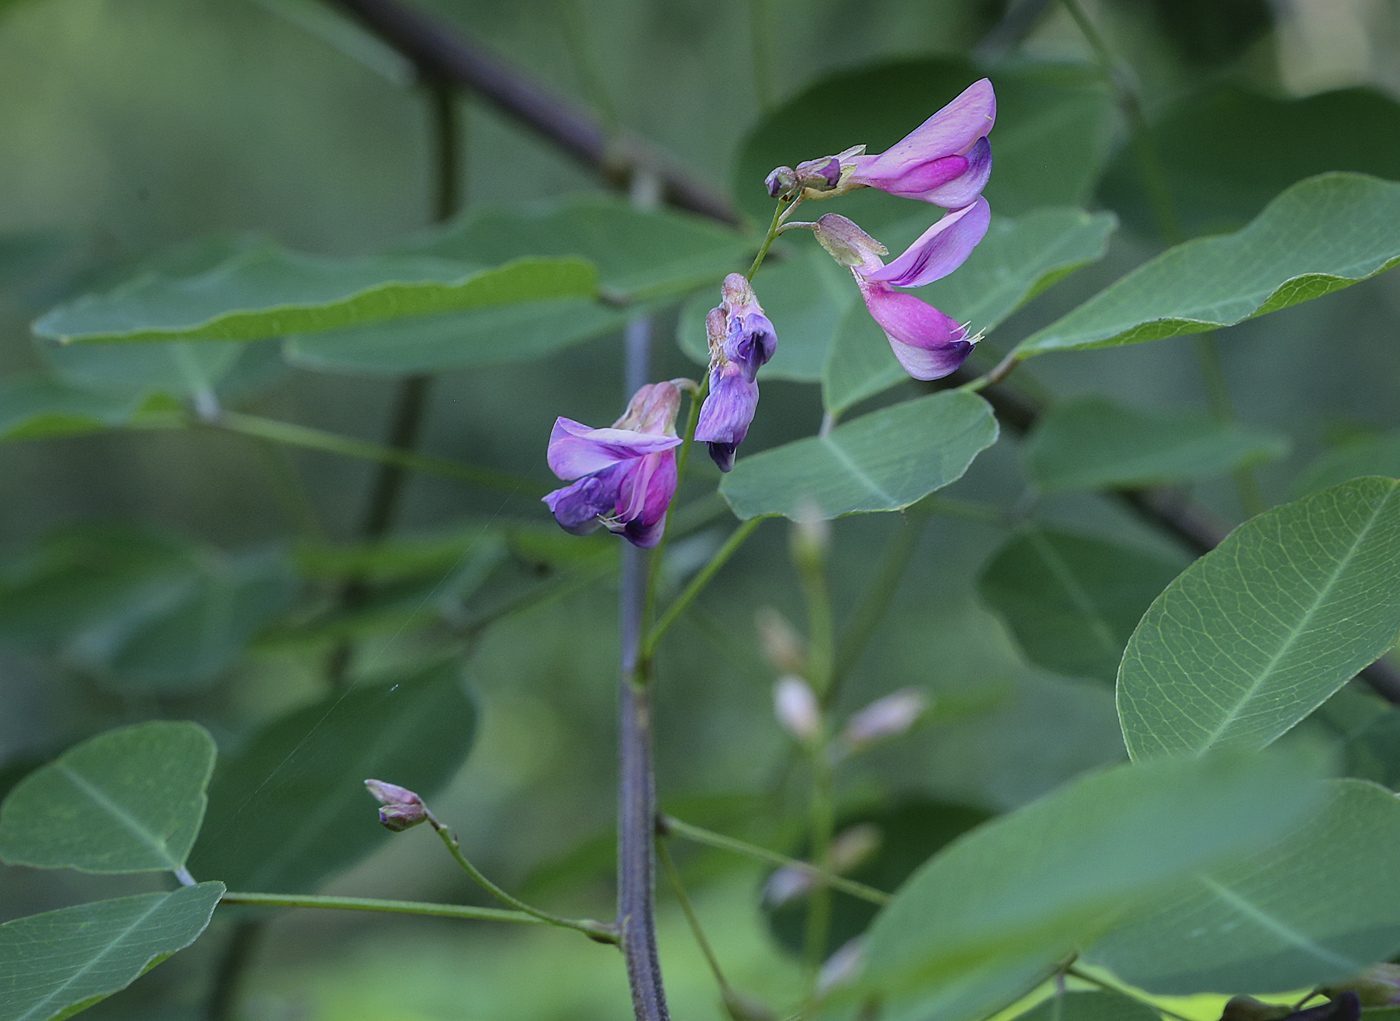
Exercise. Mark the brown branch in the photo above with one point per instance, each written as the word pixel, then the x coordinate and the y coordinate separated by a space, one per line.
pixel 449 54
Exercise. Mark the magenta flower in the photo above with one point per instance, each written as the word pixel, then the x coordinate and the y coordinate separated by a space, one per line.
pixel 946 160
pixel 626 473
pixel 927 343
pixel 741 341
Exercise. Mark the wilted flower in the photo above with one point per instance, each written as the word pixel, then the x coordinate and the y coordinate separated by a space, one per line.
pixel 626 473
pixel 400 808
pixel 928 343
pixel 946 160
pixel 741 341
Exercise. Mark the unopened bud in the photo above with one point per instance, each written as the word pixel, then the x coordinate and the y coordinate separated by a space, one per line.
pixel 811 535
pixel 782 183
pixel 1377 986
pixel 781 644
pixel 842 967
pixel 1247 1008
pixel 796 708
pixel 399 808
pixel 785 884
pixel 884 718
pixel 853 847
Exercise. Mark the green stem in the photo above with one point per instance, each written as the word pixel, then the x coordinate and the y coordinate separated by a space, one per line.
pixel 697 584
pixel 599 931
pixel 1111 987
pixel 670 824
pixel 674 876
pixel 768 241
pixel 682 461
pixel 823 822
pixel 295 435
pixel 821 628
pixel 397 907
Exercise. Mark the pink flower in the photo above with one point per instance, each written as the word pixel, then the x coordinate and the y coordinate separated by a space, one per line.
pixel 741 342
pixel 626 474
pixel 927 343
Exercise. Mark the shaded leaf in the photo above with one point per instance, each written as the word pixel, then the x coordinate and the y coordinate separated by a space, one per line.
pixel 1321 906
pixel 129 800
pixel 882 461
pixel 1015 261
pixel 1257 146
pixel 179 368
pixel 1264 628
pixel 1072 601
pixel 1079 1005
pixel 1319 236
pixel 1001 907
pixel 1094 443
pixel 32 407
pixel 289 809
pixel 269 292
pixel 56 964
pixel 1375 455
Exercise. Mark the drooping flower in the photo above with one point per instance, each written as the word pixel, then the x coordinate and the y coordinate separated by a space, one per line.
pixel 741 342
pixel 927 343
pixel 946 160
pixel 626 473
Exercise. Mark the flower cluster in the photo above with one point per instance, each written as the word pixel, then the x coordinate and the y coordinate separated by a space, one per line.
pixel 945 161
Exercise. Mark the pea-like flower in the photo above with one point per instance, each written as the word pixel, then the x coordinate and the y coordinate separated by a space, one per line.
pixel 946 160
pixel 927 343
pixel 626 473
pixel 741 341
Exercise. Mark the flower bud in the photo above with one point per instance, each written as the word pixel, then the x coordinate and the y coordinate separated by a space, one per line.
pixel 786 884
pixel 782 183
pixel 782 646
pixel 1377 986
pixel 853 847
pixel 848 244
pixel 1247 1008
pixel 810 537
pixel 884 718
pixel 842 967
pixel 796 708
pixel 400 807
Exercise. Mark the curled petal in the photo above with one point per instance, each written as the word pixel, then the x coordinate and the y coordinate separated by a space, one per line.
pixel 647 491
pixel 929 344
pixel 578 507
pixel 750 342
pixel 952 131
pixel 726 414
pixel 960 190
pixel 939 250
pixel 576 450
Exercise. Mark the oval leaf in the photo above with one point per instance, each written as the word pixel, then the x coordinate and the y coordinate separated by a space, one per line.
pixel 1321 906
pixel 1006 903
pixel 1319 236
pixel 290 808
pixel 270 292
pixel 1263 629
pixel 58 963
pixel 129 800
pixel 880 462
pixel 1072 601
pixel 1095 444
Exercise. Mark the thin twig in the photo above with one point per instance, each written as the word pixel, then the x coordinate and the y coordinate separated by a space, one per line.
pixel 397 907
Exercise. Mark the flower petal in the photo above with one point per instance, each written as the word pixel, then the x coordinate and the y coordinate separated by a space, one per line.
pixel 927 343
pixel 576 450
pixel 961 190
pixel 648 492
pixel 939 250
pixel 931 363
pixel 578 506
pixel 725 416
pixel 952 131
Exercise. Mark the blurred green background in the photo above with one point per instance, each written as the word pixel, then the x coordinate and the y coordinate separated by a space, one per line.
pixel 131 129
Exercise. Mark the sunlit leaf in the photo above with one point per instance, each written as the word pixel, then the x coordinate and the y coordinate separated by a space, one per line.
pixel 1073 601
pixel 289 809
pixel 880 462
pixel 1094 443
pixel 1319 236
pixel 58 963
pixel 1321 906
pixel 129 800
pixel 1264 628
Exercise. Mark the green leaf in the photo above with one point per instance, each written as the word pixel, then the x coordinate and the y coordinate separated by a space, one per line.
pixel 179 368
pixel 1080 1005
pixel 129 800
pixel 1319 236
pixel 270 292
pixel 289 809
pixel 1072 601
pixel 1015 261
pixel 1000 908
pixel 1050 139
pixel 880 462
pixel 1258 146
pixel 1374 455
pixel 1094 443
pixel 1321 906
pixel 1263 629
pixel 61 962
pixel 32 408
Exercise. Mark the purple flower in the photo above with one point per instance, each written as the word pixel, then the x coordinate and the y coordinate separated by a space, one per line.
pixel 626 473
pixel 741 342
pixel 946 160
pixel 929 344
